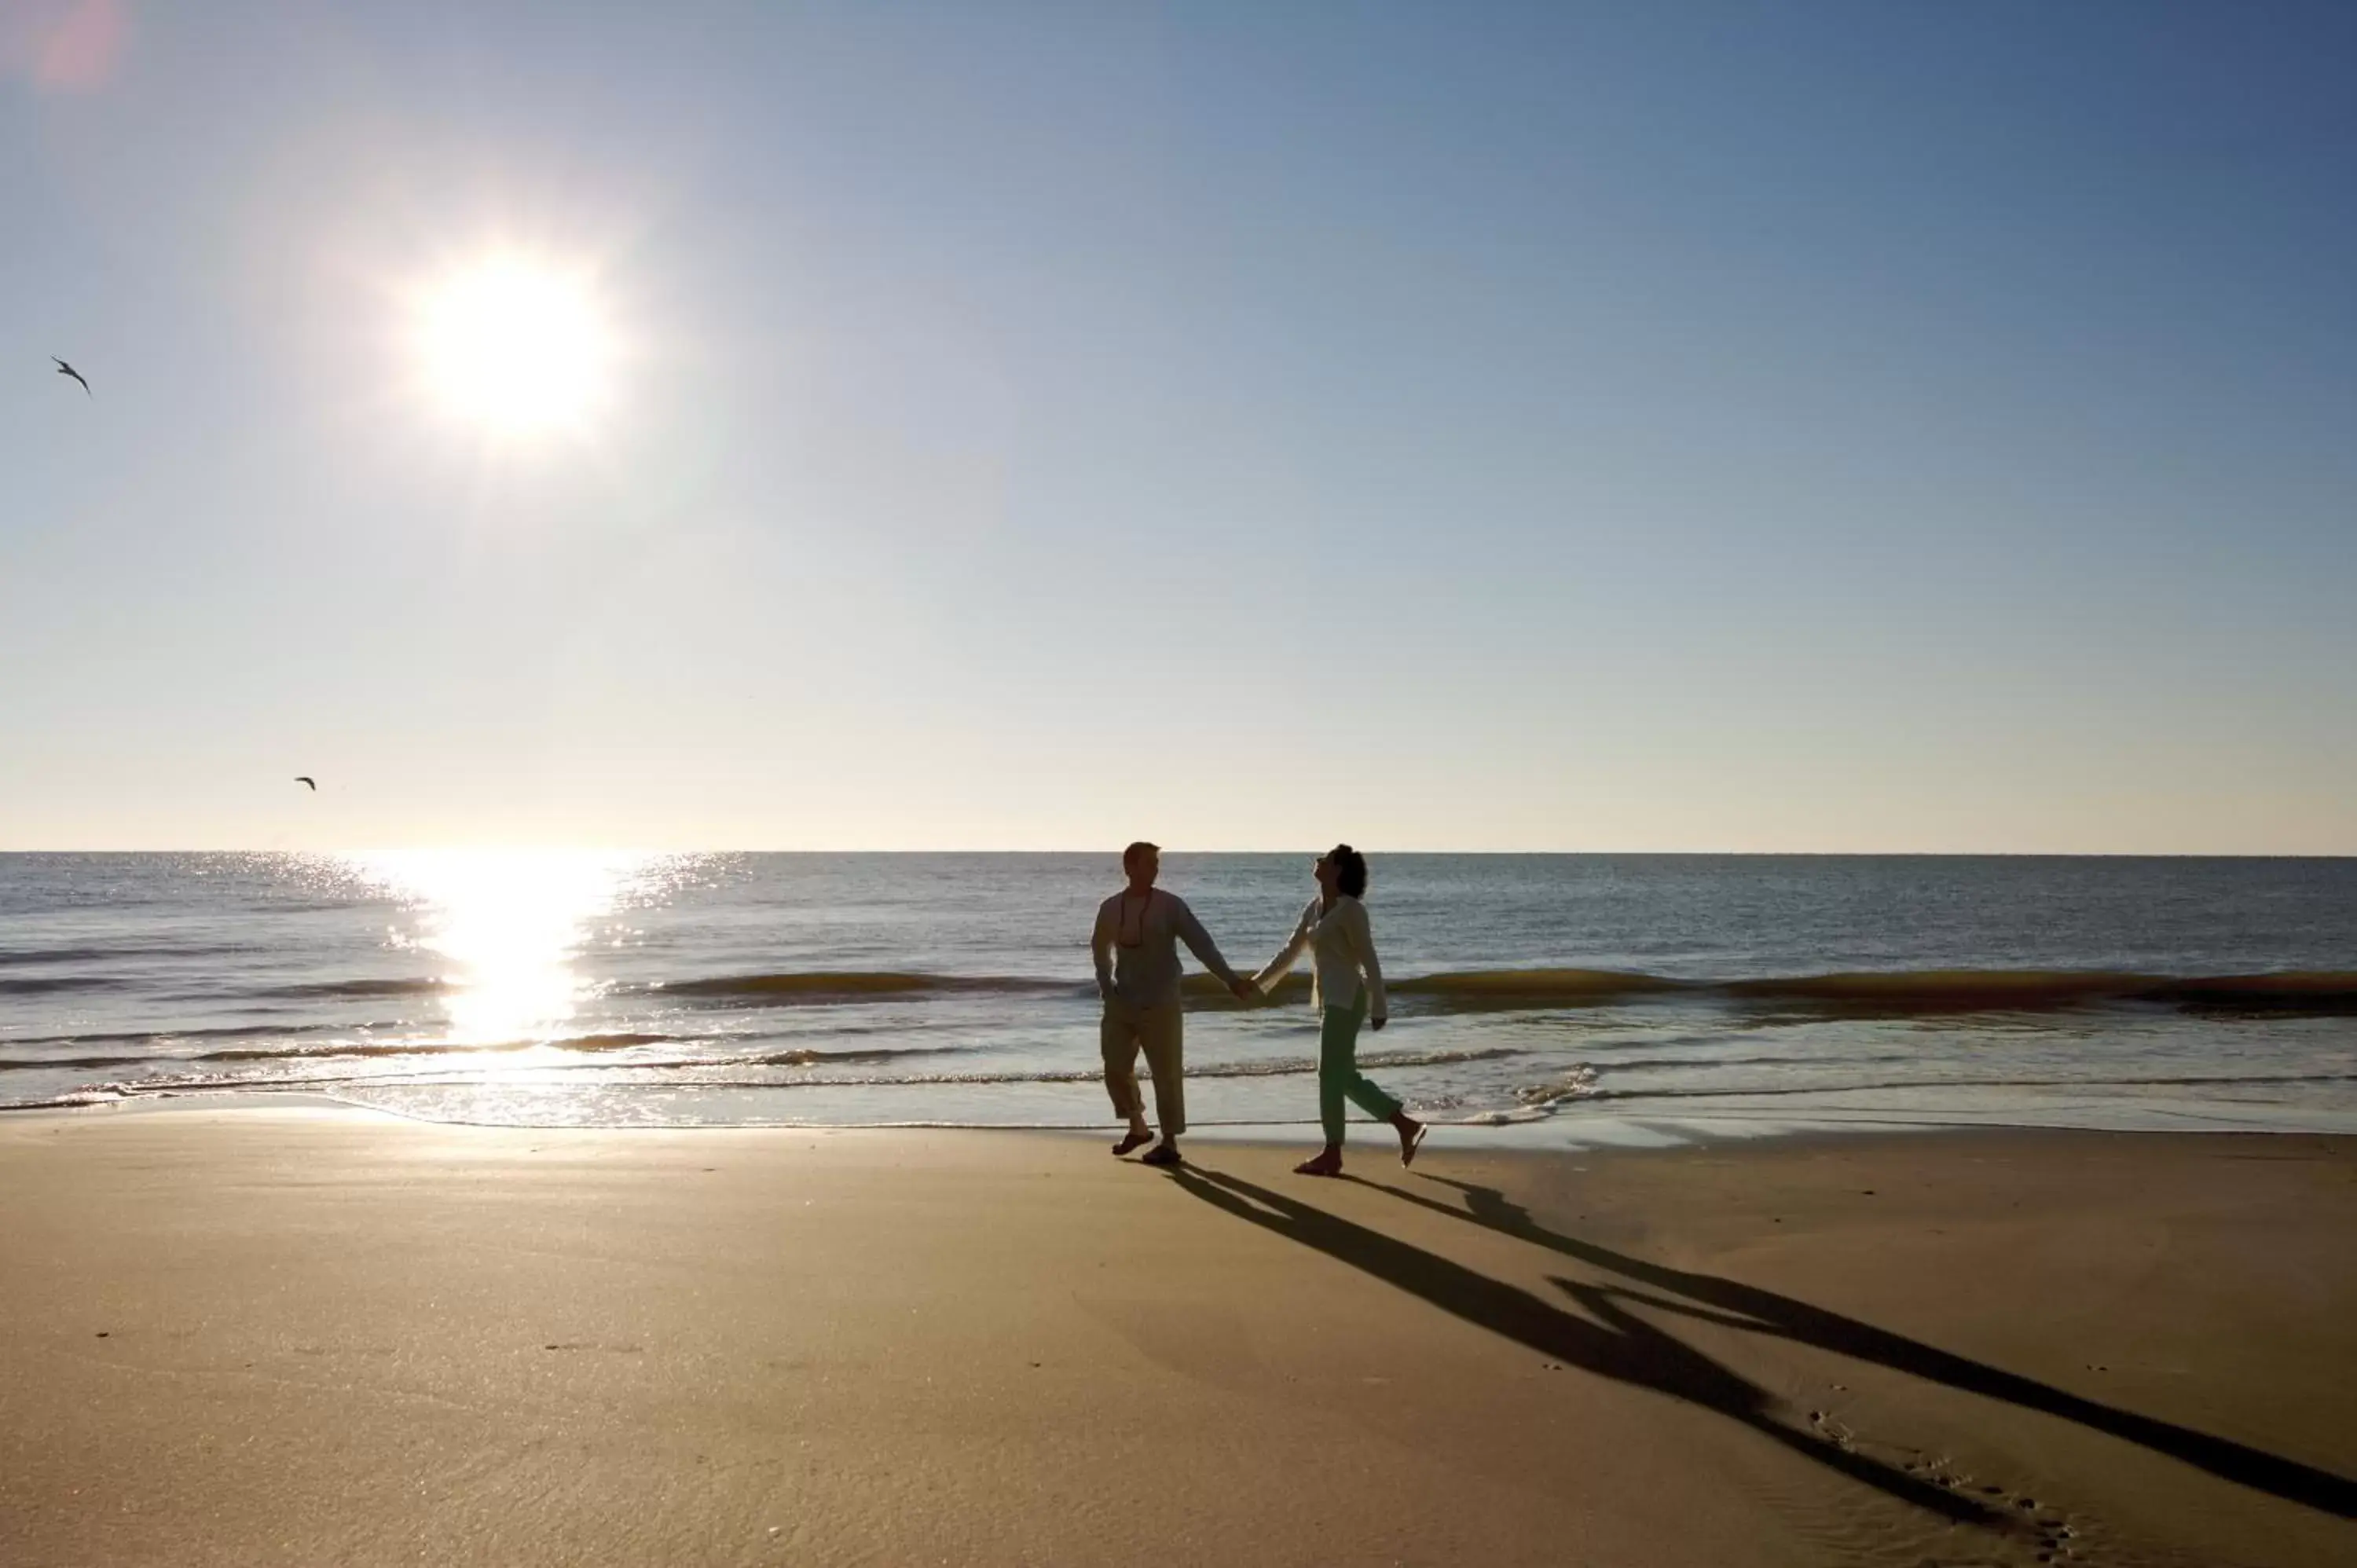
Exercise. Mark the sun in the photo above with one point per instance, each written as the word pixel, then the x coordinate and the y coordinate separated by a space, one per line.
pixel 515 345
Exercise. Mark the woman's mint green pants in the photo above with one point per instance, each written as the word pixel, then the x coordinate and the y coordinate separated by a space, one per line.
pixel 1337 1072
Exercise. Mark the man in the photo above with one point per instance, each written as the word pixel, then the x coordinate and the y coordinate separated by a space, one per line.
pixel 1136 949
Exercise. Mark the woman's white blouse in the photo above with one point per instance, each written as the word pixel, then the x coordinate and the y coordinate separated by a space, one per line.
pixel 1343 949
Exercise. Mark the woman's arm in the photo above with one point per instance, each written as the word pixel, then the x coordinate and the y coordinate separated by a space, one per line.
pixel 1362 938
pixel 1292 951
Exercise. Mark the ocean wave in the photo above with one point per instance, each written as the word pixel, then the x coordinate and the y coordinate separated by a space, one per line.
pixel 1574 1083
pixel 415 986
pixel 1968 988
pixel 696 1072
pixel 1941 990
pixel 1202 989
pixel 1519 1114
pixel 806 1056
pixel 59 1064
pixel 330 1050
pixel 589 1046
pixel 1272 1067
pixel 1287 1067
pixel 73 1100
pixel 43 985
pixel 853 985
pixel 2320 991
pixel 153 1037
pixel 2171 1081
pixel 1606 1062
pixel 14 957
pixel 1528 987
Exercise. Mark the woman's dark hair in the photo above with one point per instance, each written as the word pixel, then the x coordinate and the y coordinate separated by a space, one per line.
pixel 1349 870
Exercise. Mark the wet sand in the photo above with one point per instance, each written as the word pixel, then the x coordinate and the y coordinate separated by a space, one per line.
pixel 301 1337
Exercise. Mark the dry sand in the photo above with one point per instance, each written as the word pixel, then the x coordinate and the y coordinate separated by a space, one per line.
pixel 283 1337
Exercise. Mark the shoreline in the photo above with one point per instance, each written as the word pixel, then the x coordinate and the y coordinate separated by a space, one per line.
pixel 307 1333
pixel 1578 1131
pixel 1368 1143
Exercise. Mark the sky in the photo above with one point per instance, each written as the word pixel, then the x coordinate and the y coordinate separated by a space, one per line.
pixel 1876 426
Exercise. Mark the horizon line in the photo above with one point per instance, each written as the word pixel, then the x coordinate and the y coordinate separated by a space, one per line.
pixel 1113 850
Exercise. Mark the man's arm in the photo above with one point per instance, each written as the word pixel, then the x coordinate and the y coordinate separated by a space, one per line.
pixel 1198 942
pixel 1101 950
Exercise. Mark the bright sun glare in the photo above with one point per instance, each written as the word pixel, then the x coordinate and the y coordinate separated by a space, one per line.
pixel 515 345
pixel 505 927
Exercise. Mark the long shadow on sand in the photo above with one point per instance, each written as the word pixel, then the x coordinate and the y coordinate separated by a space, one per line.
pixel 1733 1304
pixel 1613 1345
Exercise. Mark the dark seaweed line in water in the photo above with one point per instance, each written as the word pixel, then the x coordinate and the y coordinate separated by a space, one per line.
pixel 851 985
pixel 1963 990
pixel 372 1049
pixel 37 984
pixel 1575 984
pixel 158 1037
pixel 417 986
pixel 13 958
pixel 1990 988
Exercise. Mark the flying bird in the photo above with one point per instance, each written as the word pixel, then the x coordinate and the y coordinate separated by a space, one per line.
pixel 306 779
pixel 66 369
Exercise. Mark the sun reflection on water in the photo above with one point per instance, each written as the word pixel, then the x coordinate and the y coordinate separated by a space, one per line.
pixel 508 924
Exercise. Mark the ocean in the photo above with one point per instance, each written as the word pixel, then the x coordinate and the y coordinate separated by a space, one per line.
pixel 1553 999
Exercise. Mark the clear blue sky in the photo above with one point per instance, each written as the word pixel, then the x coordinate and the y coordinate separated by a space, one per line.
pixel 1842 426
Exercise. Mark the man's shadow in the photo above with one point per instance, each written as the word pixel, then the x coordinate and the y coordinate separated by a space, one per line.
pixel 1614 1344
pixel 1715 1299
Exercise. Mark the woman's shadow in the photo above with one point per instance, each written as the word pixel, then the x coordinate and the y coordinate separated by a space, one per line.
pixel 1610 1343
pixel 1715 1299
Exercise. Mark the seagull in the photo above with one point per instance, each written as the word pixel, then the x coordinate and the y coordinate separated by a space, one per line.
pixel 306 779
pixel 66 369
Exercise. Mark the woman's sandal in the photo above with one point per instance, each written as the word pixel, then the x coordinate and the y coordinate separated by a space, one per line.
pixel 1319 1164
pixel 1410 1145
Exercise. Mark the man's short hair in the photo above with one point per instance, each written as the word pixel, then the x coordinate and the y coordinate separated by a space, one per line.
pixel 1130 856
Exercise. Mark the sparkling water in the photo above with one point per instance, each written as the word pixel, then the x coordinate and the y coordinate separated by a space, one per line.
pixel 1563 997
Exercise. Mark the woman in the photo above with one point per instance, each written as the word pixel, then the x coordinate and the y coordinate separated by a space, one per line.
pixel 1349 985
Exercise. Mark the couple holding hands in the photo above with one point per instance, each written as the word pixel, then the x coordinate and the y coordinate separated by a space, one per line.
pixel 1135 948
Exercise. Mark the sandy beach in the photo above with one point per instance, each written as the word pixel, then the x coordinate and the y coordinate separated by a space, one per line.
pixel 313 1336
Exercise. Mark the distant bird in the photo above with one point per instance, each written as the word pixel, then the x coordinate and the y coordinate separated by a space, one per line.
pixel 306 779
pixel 66 369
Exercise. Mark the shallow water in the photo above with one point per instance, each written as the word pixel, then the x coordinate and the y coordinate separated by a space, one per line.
pixel 1565 996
